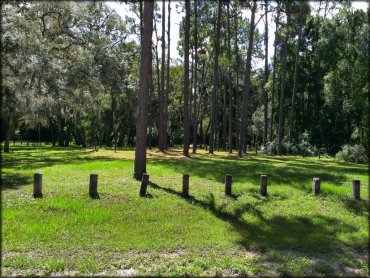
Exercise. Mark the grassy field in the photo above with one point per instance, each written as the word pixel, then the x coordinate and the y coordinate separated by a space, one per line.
pixel 289 232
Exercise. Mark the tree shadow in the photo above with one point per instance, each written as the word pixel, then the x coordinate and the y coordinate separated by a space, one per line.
pixel 299 177
pixel 14 181
pixel 299 234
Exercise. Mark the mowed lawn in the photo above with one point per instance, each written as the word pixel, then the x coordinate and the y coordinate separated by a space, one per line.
pixel 289 232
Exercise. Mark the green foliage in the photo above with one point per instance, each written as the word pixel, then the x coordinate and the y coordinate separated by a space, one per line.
pixel 352 153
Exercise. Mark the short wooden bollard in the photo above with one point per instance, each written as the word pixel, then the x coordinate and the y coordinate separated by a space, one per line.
pixel 356 189
pixel 37 185
pixel 228 182
pixel 185 185
pixel 316 186
pixel 144 184
pixel 93 188
pixel 263 188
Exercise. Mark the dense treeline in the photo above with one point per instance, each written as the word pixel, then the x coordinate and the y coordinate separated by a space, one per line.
pixel 71 73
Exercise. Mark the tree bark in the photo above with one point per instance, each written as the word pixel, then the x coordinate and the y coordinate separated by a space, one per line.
pixel 296 64
pixel 224 116
pixel 230 145
pixel 142 113
pixel 168 72
pixel 215 83
pixel 265 98
pixel 195 116
pixel 162 126
pixel 8 133
pixel 246 86
pixel 282 89
pixel 274 74
pixel 186 122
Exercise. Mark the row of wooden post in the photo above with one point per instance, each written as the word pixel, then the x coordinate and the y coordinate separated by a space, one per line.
pixel 93 187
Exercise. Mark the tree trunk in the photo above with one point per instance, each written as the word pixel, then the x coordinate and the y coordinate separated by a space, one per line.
pixel 246 87
pixel 229 87
pixel 142 113
pixel 215 83
pixel 282 89
pixel 195 116
pixel 224 115
pixel 274 74
pixel 8 133
pixel 291 125
pixel 168 72
pixel 186 122
pixel 265 98
pixel 162 125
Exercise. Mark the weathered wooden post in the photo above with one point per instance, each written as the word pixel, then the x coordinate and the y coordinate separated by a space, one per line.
pixel 144 184
pixel 316 186
pixel 228 182
pixel 263 188
pixel 37 185
pixel 185 185
pixel 93 188
pixel 356 189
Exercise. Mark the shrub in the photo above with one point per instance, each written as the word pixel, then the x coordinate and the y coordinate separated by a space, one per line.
pixel 355 153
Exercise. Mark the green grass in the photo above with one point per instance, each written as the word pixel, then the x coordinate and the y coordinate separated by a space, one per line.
pixel 289 232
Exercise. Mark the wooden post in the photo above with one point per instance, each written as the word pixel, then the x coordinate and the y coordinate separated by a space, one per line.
pixel 263 188
pixel 228 182
pixel 316 186
pixel 144 184
pixel 93 188
pixel 356 189
pixel 37 185
pixel 185 185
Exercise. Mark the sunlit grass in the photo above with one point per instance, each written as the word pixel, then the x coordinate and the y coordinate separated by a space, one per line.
pixel 288 232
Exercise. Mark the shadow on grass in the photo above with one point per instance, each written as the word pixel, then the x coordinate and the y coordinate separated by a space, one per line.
pixel 13 181
pixel 297 176
pixel 297 234
pixel 25 160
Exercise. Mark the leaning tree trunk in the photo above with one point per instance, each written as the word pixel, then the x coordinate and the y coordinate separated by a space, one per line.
pixel 291 125
pixel 186 122
pixel 246 87
pixel 215 83
pixel 274 74
pixel 162 125
pixel 142 113
pixel 282 90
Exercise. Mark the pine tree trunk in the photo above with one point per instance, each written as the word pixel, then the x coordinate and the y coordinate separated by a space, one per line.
pixel 229 87
pixel 8 133
pixel 282 90
pixel 274 74
pixel 291 125
pixel 265 97
pixel 215 83
pixel 142 113
pixel 168 72
pixel 186 122
pixel 224 117
pixel 195 116
pixel 162 126
pixel 246 87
